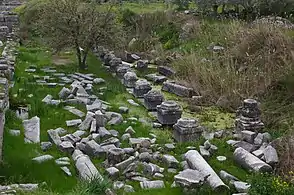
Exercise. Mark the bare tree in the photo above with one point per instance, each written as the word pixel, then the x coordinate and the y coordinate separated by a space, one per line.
pixel 76 24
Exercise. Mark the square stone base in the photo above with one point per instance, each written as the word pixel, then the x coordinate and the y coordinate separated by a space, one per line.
pixel 151 106
pixel 168 119
pixel 186 137
pixel 139 93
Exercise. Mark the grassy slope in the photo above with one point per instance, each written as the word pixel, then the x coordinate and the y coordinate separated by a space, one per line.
pixel 18 166
pixel 17 156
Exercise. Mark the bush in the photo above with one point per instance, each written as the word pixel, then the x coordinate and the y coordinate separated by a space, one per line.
pixel 283 8
pixel 182 4
pixel 265 184
pixel 168 35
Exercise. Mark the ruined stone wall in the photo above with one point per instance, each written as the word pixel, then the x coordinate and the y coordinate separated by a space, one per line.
pixel 8 23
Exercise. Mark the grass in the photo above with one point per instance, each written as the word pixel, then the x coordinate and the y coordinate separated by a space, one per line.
pixel 17 165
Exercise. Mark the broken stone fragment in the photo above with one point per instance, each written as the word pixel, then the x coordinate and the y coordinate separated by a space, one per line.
pixel 129 188
pixel 166 71
pixel 205 153
pixel 250 162
pixel 227 177
pixel 14 132
pixel 116 118
pixel 130 79
pixel 152 184
pixel 66 146
pixel 95 106
pixel 64 93
pixel 66 170
pixel 271 155
pixel 86 124
pixel 123 109
pixel 54 136
pixel 85 167
pixel 74 122
pixel 112 172
pixel 190 178
pixel 246 146
pixel 46 146
pixel 145 157
pixel 32 130
pixel 130 130
pixel 43 158
pixel 124 164
pixel 197 162
pixel 115 155
pixel 179 90
pixel 47 99
pixel 75 111
pixel 248 136
pixel 242 186
pixel 170 161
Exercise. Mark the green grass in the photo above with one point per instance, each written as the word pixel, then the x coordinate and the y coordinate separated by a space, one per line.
pixel 18 166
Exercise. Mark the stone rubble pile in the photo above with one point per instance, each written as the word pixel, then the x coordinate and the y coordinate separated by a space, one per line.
pixel 253 147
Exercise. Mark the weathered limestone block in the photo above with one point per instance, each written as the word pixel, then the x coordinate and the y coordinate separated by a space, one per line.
pixel 152 184
pixel 66 146
pixel 101 120
pixel 177 89
pixel 141 88
pixel 197 162
pixel 152 99
pixel 94 149
pixel 54 136
pixel 32 130
pixel 130 79
pixel 250 162
pixel 85 125
pixel 190 178
pixel 271 155
pixel 64 93
pixel 248 136
pixel 122 70
pixel 248 117
pixel 85 167
pixel 170 161
pixel 142 64
pixel 124 164
pixel 114 63
pixel 115 155
pixel 166 71
pixel 157 79
pixel 107 58
pixel 187 130
pixel 168 113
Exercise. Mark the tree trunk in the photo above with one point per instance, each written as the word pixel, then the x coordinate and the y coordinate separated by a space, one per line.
pixel 79 56
pixel 84 64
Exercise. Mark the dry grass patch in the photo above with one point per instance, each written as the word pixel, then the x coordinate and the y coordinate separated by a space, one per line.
pixel 253 60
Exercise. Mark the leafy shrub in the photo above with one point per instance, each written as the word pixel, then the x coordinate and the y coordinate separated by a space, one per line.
pixel 128 18
pixel 282 8
pixel 265 184
pixel 182 4
pixel 168 35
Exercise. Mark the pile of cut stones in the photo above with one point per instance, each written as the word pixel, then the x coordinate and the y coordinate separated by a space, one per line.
pixel 253 147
